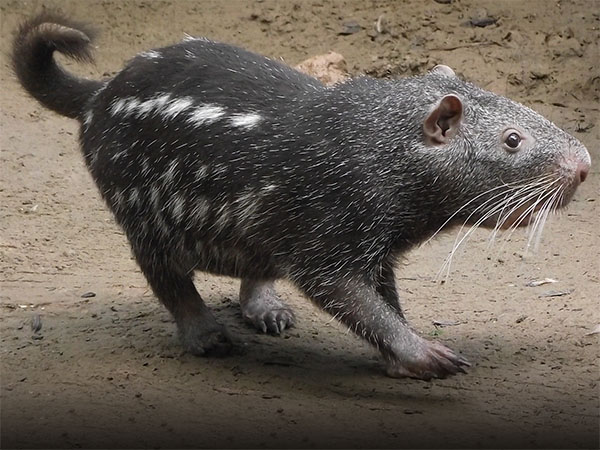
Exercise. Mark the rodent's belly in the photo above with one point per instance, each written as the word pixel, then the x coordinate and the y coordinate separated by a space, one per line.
pixel 233 261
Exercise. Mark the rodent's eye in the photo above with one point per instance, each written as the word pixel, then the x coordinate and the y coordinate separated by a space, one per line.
pixel 512 140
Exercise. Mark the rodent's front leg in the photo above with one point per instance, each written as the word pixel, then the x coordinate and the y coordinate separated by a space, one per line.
pixel 386 286
pixel 362 308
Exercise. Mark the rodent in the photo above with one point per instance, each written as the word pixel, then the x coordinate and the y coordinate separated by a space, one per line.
pixel 216 159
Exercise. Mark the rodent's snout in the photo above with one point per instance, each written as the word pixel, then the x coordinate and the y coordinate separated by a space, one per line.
pixel 577 162
pixel 573 170
pixel 582 172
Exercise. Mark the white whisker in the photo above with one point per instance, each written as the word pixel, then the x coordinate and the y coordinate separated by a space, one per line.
pixel 548 208
pixel 539 193
pixel 528 194
pixel 525 214
pixel 464 206
pixel 457 243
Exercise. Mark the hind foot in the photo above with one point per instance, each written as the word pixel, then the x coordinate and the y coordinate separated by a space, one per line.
pixel 262 307
pixel 198 329
pixel 427 360
pixel 202 335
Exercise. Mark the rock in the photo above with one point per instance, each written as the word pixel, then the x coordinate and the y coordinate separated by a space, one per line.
pixel 329 68
pixel 481 18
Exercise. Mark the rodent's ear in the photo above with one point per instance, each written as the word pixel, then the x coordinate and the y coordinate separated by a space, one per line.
pixel 443 70
pixel 443 120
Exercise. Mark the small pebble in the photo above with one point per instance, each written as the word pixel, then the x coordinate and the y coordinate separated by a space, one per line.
pixel 481 19
pixel 535 283
pixel 36 323
pixel 350 28
pixel 555 293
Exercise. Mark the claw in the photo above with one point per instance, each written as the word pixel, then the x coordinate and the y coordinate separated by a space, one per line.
pixel 464 362
pixel 262 307
pixel 430 360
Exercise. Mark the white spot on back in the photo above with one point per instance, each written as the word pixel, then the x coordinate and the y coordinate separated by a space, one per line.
pixel 155 197
pixel 247 121
pixel 201 172
pixel 169 108
pixel 175 107
pixel 152 105
pixel 205 115
pixel 200 211
pixel 150 54
pixel 118 105
pixel 131 106
pixel 125 106
pixel 176 206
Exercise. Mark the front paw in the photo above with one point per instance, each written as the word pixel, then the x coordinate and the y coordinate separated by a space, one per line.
pixel 272 321
pixel 425 361
pixel 263 308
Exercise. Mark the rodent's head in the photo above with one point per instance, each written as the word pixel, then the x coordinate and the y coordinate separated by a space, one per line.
pixel 507 161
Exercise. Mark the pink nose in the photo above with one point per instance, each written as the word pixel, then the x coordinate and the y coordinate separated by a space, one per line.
pixel 582 172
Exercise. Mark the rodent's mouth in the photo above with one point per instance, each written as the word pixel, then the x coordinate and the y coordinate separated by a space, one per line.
pixel 520 217
pixel 531 201
pixel 521 211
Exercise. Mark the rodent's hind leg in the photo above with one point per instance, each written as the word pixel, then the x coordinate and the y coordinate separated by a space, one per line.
pixel 198 329
pixel 386 287
pixel 360 306
pixel 262 307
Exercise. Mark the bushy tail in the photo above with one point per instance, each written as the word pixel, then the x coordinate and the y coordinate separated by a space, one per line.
pixel 33 62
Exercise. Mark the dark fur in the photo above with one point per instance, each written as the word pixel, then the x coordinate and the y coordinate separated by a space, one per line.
pixel 38 72
pixel 327 189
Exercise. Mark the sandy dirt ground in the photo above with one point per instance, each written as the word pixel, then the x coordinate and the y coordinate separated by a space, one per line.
pixel 106 370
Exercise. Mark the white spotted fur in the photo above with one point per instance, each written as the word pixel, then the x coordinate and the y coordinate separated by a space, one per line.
pixel 150 54
pixel 247 121
pixel 205 114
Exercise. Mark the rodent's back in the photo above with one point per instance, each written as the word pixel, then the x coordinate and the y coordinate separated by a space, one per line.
pixel 212 71
pixel 259 173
